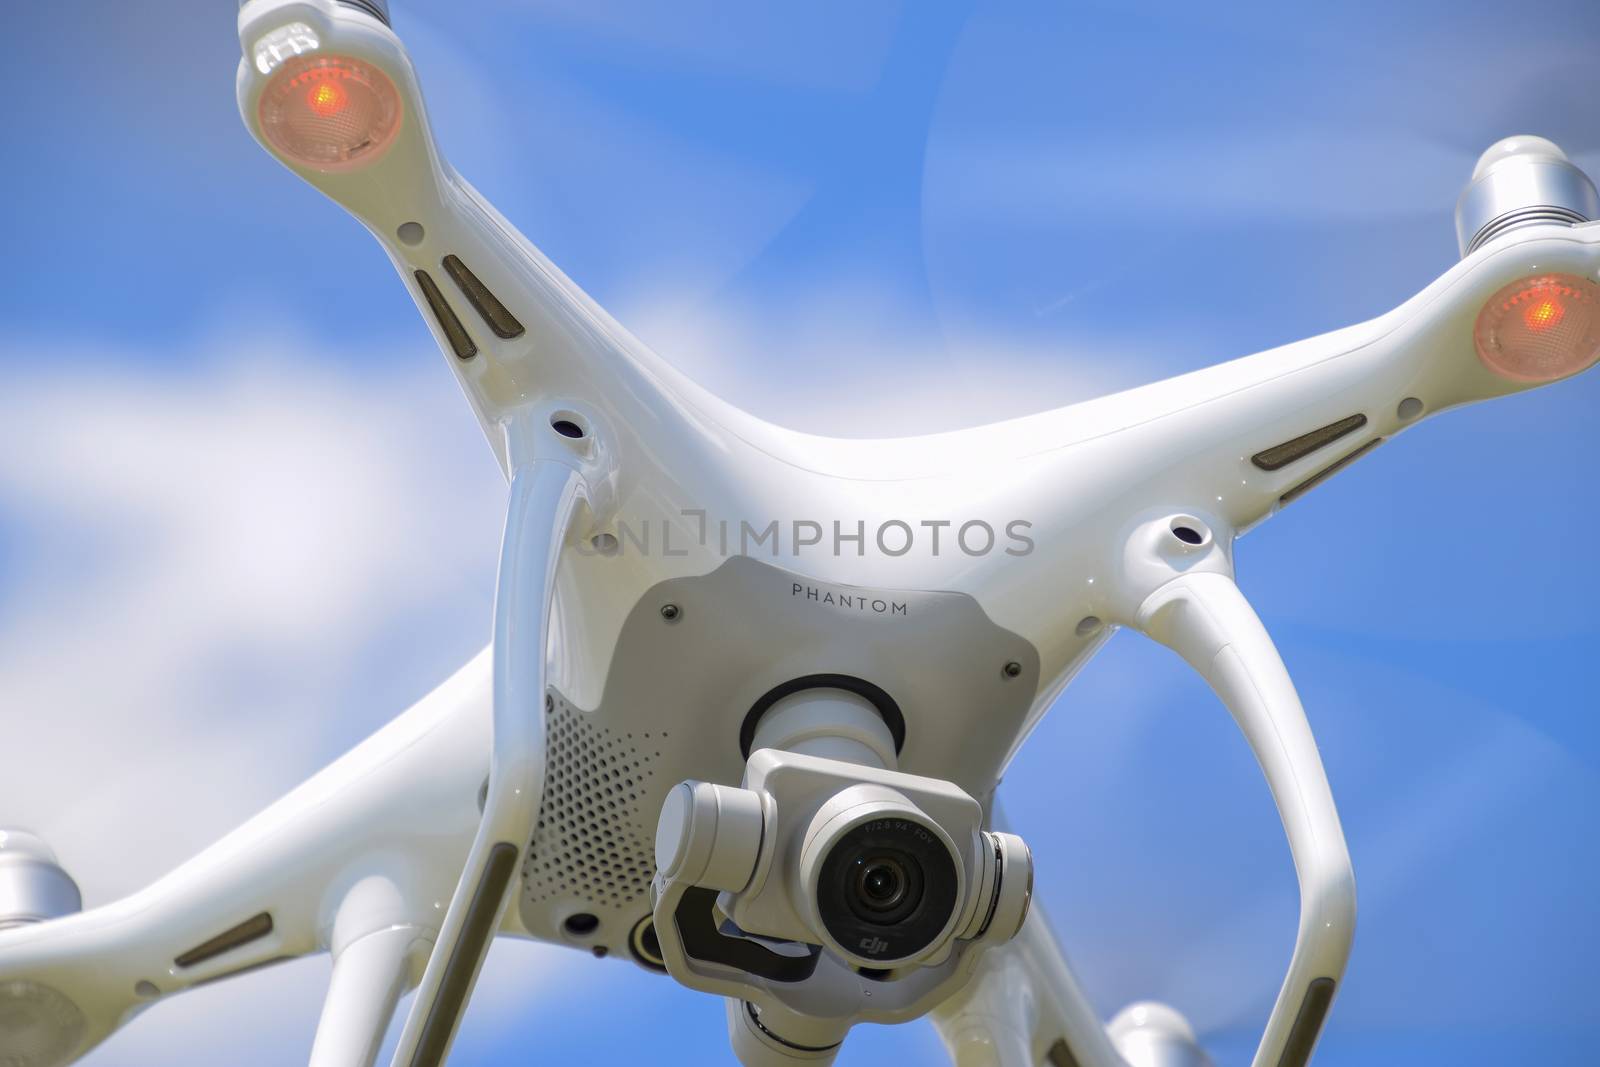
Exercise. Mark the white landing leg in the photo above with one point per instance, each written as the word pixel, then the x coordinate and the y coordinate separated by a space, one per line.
pixel 1025 1007
pixel 370 975
pixel 545 494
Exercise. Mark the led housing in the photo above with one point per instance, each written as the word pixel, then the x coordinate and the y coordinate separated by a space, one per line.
pixel 1540 328
pixel 330 113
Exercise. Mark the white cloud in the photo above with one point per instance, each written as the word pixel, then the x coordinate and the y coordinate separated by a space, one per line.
pixel 204 570
pixel 840 360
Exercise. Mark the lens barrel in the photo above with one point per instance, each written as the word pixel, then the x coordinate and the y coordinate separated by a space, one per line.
pixel 887 888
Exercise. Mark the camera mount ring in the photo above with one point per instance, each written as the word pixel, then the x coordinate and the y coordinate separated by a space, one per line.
pixel 881 702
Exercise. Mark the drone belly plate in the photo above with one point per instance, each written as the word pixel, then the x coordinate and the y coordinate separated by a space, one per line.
pixel 678 690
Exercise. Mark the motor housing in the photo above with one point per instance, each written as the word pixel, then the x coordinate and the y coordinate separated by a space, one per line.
pixel 1522 181
pixel 33 886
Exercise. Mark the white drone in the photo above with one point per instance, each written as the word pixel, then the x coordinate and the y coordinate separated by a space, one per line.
pixel 756 752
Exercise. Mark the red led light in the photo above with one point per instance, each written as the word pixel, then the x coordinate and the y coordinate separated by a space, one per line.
pixel 1543 315
pixel 1540 328
pixel 327 98
pixel 329 112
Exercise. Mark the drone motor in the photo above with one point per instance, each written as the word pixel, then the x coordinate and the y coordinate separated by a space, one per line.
pixel 1522 181
pixel 39 1025
pixel 33 885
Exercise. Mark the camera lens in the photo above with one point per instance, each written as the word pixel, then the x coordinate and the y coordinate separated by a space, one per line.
pixel 882 884
pixel 886 888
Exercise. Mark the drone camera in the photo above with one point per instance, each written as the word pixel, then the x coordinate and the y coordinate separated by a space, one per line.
pixel 883 870
pixel 882 883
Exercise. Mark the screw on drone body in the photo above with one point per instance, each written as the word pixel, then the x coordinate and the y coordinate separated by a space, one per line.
pixel 671 612
pixel 1012 669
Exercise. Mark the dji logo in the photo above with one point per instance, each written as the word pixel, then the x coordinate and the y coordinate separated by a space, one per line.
pixel 873 946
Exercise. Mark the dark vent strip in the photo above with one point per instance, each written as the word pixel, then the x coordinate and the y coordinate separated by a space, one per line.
pixel 249 968
pixel 482 915
pixel 252 929
pixel 1059 1055
pixel 502 322
pixel 1279 456
pixel 1328 472
pixel 444 314
pixel 1307 1024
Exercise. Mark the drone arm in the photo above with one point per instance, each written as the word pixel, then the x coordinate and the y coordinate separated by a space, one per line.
pixel 1206 619
pixel 545 494
pixel 1024 1007
pixel 357 849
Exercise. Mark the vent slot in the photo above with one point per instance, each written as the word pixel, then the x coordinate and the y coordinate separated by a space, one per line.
pixel 1280 456
pixel 249 968
pixel 595 840
pixel 485 303
pixel 454 332
pixel 1328 472
pixel 456 984
pixel 1307 1024
pixel 1059 1055
pixel 253 929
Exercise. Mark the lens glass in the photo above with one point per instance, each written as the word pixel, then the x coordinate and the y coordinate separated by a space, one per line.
pixel 887 888
pixel 882 883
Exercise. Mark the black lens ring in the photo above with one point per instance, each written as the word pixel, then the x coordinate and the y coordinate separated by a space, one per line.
pixel 922 913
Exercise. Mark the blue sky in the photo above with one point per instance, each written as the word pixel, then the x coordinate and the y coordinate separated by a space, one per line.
pixel 245 518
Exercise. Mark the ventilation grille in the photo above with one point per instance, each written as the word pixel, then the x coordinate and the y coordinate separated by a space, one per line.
pixel 593 841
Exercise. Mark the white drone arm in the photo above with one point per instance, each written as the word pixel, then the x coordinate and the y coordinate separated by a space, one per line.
pixel 359 861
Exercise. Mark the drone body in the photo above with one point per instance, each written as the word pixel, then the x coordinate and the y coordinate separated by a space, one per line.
pixel 722 647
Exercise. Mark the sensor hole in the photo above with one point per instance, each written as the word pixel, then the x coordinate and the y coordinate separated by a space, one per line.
pixel 581 925
pixel 1190 533
pixel 1409 408
pixel 410 233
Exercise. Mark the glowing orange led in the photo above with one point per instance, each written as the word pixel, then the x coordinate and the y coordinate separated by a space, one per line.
pixel 1541 328
pixel 327 99
pixel 329 112
pixel 1543 314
